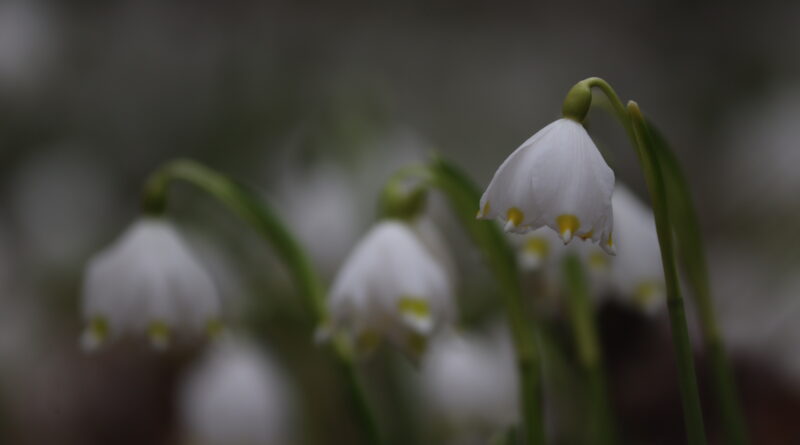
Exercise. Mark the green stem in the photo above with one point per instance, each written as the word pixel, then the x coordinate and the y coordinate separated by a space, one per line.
pixel 692 254
pixel 693 415
pixel 601 424
pixel 633 121
pixel 463 196
pixel 246 204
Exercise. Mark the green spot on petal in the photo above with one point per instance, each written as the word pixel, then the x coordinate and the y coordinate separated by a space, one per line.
pixel 414 306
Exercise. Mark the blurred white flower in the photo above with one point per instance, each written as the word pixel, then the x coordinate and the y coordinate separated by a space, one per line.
pixel 237 395
pixel 558 179
pixel 750 298
pixel 149 282
pixel 27 44
pixel 470 381
pixel 537 248
pixel 771 178
pixel 636 270
pixel 322 190
pixel 391 286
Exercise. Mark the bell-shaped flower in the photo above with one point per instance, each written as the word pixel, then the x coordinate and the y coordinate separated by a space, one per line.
pixel 470 382
pixel 391 286
pixel 237 395
pixel 148 282
pixel 558 179
pixel 636 270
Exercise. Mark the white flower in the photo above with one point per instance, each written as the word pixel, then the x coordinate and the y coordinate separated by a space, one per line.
pixel 636 271
pixel 558 179
pixel 322 190
pixel 147 282
pixel 470 381
pixel 236 395
pixel 391 286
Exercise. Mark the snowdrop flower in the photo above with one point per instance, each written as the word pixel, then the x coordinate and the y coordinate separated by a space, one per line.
pixel 149 282
pixel 391 286
pixel 236 395
pixel 470 381
pixel 636 272
pixel 558 179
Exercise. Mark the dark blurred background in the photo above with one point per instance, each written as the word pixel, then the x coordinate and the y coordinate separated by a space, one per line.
pixel 316 103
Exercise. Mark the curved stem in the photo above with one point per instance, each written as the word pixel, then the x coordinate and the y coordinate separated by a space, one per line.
pixel 632 120
pixel 690 249
pixel 601 424
pixel 692 254
pixel 693 415
pixel 249 207
pixel 463 197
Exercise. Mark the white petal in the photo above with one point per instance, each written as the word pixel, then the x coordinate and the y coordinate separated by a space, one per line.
pixel 638 258
pixel 510 187
pixel 470 381
pixel 389 265
pixel 570 177
pixel 237 395
pixel 557 172
pixel 149 275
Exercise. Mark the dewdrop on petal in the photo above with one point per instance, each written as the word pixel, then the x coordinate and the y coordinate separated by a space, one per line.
pixel 236 395
pixel 557 178
pixel 391 286
pixel 147 283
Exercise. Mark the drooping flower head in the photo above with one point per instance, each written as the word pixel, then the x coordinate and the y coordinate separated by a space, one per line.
pixel 147 282
pixel 237 395
pixel 391 286
pixel 558 179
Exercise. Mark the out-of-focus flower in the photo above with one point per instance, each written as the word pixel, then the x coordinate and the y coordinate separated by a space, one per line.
pixel 27 44
pixel 237 395
pixel 470 381
pixel 391 286
pixel 149 282
pixel 636 270
pixel 323 190
pixel 537 248
pixel 750 297
pixel 558 179
pixel 771 178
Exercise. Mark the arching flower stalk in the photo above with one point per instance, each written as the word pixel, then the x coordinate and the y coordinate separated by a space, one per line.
pixel 537 186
